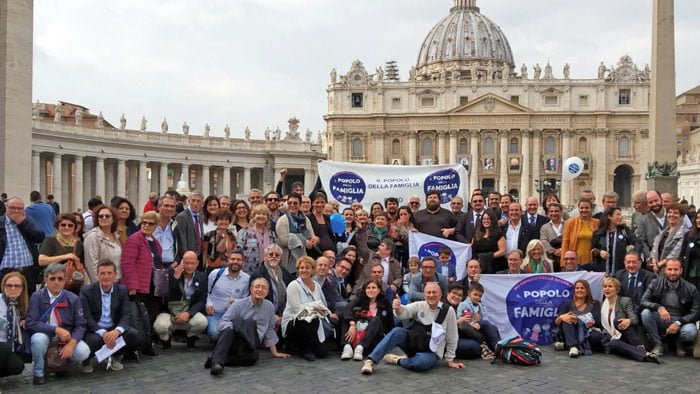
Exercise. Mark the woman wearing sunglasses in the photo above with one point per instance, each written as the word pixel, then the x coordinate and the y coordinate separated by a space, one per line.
pixel 64 246
pixel 102 242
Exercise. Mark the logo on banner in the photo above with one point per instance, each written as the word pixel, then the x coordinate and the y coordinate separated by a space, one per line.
pixel 432 249
pixel 347 187
pixel 444 181
pixel 532 306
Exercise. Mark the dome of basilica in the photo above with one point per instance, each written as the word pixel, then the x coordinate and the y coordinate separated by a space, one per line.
pixel 464 45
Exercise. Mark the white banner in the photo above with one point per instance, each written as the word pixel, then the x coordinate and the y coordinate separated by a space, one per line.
pixel 527 305
pixel 422 245
pixel 367 183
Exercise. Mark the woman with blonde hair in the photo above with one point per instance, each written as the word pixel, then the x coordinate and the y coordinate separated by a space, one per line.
pixel 536 261
pixel 578 232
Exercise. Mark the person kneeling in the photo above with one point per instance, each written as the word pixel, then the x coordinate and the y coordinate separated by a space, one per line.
pixel 246 325
pixel 106 307
pixel 62 321
pixel 426 343
pixel 186 301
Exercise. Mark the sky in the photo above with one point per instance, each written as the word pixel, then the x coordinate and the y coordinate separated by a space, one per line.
pixel 257 63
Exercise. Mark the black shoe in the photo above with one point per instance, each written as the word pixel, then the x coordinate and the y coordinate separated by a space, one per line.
pixel 167 344
pixel 150 350
pixel 652 358
pixel 39 380
pixel 216 369
pixel 308 356
pixel 207 364
pixel 191 341
pixel 62 374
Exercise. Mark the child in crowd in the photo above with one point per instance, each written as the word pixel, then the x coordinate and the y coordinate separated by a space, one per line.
pixel 445 267
pixel 472 323
pixel 413 271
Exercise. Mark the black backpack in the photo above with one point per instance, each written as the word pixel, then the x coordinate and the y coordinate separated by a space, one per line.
pixel 515 350
pixel 419 334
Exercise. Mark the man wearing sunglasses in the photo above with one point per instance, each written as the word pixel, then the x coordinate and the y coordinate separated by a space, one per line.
pixel 55 314
pixel 272 200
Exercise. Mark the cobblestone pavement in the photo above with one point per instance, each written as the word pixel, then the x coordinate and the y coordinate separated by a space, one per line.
pixel 180 370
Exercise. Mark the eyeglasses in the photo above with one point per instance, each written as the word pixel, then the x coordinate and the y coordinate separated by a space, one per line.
pixel 145 223
pixel 55 279
pixel 414 203
pixel 272 199
pixel 292 203
pixel 273 255
pixel 104 216
pixel 68 225
pixel 13 286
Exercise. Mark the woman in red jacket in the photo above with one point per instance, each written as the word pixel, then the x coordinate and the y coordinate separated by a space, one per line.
pixel 140 255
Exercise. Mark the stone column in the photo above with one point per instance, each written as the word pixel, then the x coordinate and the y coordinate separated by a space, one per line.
pixel 16 40
pixel 185 174
pixel 536 153
pixel 474 160
pixel 121 177
pixel 452 155
pixel 226 185
pixel 566 186
pixel 100 178
pixel 379 147
pixel 503 162
pixel 43 184
pixel 78 190
pixel 87 181
pixel 442 146
pixel 110 183
pixel 144 187
pixel 525 174
pixel 36 167
pixel 163 179
pixel 205 180
pixel 309 180
pixel 245 189
pixel 57 178
pixel 600 177
pixel 412 136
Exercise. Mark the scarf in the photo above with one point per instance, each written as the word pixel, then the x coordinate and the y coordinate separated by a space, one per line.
pixel 14 331
pixel 608 319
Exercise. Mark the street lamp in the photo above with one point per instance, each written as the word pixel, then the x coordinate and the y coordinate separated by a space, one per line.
pixel 547 186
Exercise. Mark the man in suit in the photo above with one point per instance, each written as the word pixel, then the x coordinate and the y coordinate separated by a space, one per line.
pixel 393 277
pixel 569 262
pixel 427 275
pixel 473 274
pixel 531 216
pixel 651 224
pixel 186 284
pixel 457 206
pixel 340 272
pixel 329 285
pixel 518 232
pixel 466 225
pixel 634 280
pixel 609 201
pixel 106 308
pixel 271 263
pixel 189 227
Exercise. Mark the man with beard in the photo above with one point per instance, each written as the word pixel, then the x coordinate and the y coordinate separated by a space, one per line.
pixel 651 224
pixel 435 220
pixel 277 279
pixel 494 203
pixel 272 200
pixel 391 206
pixel 671 304
pixel 226 285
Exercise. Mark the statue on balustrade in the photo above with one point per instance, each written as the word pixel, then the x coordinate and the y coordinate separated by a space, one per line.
pixel 185 129
pixel 207 129
pixel 227 131
pixel 143 123
pixel 79 116
pixel 267 133
pixel 164 126
pixel 100 122
pixel 122 122
pixel 537 71
pixel 278 134
pixel 247 133
pixel 59 112
pixel 567 71
pixel 523 71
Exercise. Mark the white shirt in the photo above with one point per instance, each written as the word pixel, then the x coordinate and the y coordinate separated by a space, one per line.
pixel 52 315
pixel 512 235
pixel 385 264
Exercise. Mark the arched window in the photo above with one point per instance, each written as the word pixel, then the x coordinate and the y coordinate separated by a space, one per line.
pixel 426 148
pixel 396 147
pixel 623 146
pixel 488 146
pixel 463 147
pixel 550 147
pixel 357 148
pixel 513 146
pixel 583 145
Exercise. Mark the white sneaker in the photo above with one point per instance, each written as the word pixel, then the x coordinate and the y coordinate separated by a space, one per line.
pixel 367 367
pixel 87 366
pixel 358 353
pixel 347 353
pixel 392 358
pixel 558 345
pixel 115 365
pixel 573 352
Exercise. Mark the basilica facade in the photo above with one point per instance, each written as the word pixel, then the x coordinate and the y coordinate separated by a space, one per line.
pixel 467 101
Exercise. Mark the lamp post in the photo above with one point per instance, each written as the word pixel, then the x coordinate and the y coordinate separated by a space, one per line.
pixel 547 186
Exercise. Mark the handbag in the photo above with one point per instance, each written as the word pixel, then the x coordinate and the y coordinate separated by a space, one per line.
pixel 177 307
pixel 161 282
pixel 54 362
pixel 75 273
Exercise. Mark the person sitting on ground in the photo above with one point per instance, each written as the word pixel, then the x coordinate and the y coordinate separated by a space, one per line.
pixel 106 308
pixel 186 301
pixel 14 351
pixel 413 271
pixel 515 260
pixel 576 317
pixel 618 319
pixel 671 305
pixel 55 314
pixel 425 343
pixel 225 285
pixel 467 348
pixel 246 325
pixel 474 323
pixel 365 321
pixel 427 275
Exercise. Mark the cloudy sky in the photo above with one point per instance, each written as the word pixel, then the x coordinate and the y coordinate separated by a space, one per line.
pixel 257 63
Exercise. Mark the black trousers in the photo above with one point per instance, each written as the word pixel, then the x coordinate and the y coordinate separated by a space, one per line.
pixel 10 362
pixel 626 346
pixel 134 341
pixel 302 338
pixel 373 334
pixel 154 305
pixel 236 346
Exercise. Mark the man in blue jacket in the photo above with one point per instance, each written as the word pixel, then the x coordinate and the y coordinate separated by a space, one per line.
pixel 41 213
pixel 19 237
pixel 55 314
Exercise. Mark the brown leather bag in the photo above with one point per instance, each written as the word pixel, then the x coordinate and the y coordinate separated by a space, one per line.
pixel 54 362
pixel 75 273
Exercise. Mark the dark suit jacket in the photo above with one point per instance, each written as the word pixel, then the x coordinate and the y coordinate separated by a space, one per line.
pixel 261 272
pixel 644 278
pixel 199 298
pixel 624 238
pixel 466 225
pixel 91 298
pixel 185 236
pixel 527 234
pixel 541 221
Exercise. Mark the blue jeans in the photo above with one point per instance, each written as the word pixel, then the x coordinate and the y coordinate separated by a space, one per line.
pixel 40 344
pixel 652 323
pixel 398 336
pixel 468 348
pixel 211 325
pixel 490 332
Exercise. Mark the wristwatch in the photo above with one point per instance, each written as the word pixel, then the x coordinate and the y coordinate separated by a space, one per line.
pixel 677 322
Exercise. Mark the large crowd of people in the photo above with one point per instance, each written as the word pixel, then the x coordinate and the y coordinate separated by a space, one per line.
pixel 109 285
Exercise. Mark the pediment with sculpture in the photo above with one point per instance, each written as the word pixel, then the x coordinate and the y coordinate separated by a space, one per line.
pixel 490 104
